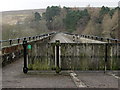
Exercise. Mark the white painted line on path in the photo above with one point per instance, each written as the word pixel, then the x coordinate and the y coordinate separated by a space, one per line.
pixel 65 40
pixel 117 77
pixel 76 80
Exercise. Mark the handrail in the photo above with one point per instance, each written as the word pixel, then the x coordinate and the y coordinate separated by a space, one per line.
pixel 13 51
pixel 17 41
pixel 103 39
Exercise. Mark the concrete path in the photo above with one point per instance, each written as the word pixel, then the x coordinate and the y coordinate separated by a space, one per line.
pixel 13 77
pixel 82 40
pixel 62 38
pixel 98 80
pixel 85 40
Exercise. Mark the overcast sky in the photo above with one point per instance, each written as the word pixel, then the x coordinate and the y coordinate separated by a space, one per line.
pixel 7 5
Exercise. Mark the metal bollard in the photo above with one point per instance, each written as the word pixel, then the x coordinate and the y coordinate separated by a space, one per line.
pixel 25 69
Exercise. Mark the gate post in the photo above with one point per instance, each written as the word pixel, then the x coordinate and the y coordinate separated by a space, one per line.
pixel 57 56
pixel 25 69
pixel 106 50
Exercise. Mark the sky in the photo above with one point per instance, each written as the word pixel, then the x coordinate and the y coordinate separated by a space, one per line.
pixel 8 5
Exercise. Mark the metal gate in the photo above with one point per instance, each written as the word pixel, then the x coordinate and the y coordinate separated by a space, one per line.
pixel 42 58
pixel 89 56
pixel 71 56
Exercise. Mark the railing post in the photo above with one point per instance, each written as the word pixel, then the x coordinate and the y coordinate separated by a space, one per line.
pixel 116 41
pixel 29 38
pixel 108 40
pixel 88 36
pixel 36 37
pixel 96 38
pixel 92 37
pixel 106 50
pixel 10 42
pixel 73 37
pixel 39 37
pixel 33 37
pixel 101 39
pixel 24 39
pixel 18 40
pixel 57 56
pixel 25 69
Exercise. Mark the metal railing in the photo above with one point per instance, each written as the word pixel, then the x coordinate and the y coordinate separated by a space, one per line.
pixel 103 39
pixel 17 41
pixel 13 49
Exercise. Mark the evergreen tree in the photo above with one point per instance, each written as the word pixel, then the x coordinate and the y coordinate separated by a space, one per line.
pixel 37 16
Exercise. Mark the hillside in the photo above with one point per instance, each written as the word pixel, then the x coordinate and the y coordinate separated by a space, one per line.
pixel 106 27
pixel 16 24
pixel 12 17
pixel 89 20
